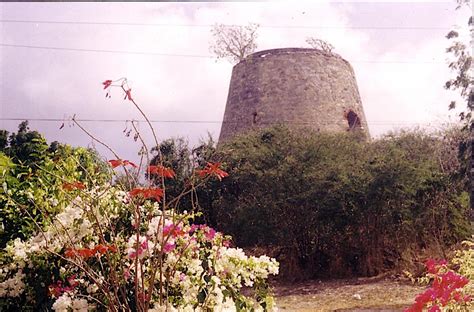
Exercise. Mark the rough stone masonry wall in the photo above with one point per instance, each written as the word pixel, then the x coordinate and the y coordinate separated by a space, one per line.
pixel 294 86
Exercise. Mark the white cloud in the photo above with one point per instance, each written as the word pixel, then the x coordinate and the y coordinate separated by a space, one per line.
pixel 55 83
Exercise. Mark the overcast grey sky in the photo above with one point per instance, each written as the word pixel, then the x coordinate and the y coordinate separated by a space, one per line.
pixel 397 50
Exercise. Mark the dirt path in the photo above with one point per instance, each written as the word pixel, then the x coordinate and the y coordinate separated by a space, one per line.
pixel 346 295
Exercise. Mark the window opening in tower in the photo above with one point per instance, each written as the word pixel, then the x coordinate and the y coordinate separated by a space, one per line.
pixel 353 120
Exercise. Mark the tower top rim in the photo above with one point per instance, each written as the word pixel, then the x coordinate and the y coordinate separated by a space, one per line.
pixel 289 51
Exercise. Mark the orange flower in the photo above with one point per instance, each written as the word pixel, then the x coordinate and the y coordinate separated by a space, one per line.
pixel 161 171
pixel 212 169
pixel 87 253
pixel 102 249
pixel 156 193
pixel 119 162
pixel 73 186
pixel 70 253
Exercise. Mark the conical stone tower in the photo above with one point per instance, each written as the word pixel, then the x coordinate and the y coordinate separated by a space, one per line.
pixel 296 87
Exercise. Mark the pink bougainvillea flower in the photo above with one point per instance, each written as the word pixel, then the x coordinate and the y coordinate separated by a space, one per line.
pixel 193 228
pixel 434 308
pixel 212 169
pixel 168 247
pixel 433 265
pixel 126 274
pixel 57 289
pixel 210 233
pixel 446 288
pixel 161 171
pixel 132 253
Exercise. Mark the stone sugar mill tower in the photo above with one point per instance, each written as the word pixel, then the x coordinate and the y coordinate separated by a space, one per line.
pixel 295 87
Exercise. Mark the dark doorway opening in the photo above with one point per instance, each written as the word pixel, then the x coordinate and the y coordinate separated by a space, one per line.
pixel 353 120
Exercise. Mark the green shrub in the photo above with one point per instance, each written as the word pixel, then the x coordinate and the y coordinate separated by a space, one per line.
pixel 339 205
pixel 32 174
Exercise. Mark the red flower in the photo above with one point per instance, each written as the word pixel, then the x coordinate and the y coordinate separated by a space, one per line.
pixel 212 169
pixel 128 95
pixel 156 193
pixel 118 162
pixel 70 253
pixel 174 230
pixel 161 171
pixel 85 253
pixel 88 253
pixel 101 249
pixel 73 186
pixel 107 84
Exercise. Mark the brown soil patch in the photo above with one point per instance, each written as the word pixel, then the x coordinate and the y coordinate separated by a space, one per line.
pixel 346 295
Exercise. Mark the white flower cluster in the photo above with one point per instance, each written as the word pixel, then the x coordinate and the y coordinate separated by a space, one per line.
pixel 201 271
pixel 245 269
pixel 14 286
pixel 68 227
pixel 216 272
pixel 66 303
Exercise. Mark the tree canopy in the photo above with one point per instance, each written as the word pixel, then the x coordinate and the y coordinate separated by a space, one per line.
pixel 234 42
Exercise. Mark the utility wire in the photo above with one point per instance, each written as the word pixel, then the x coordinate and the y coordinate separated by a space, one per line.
pixel 180 55
pixel 374 122
pixel 103 51
pixel 211 25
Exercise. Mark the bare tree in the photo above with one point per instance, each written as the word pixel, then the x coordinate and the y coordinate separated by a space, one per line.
pixel 234 42
pixel 320 44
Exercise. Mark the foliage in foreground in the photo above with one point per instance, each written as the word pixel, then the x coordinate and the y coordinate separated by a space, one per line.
pixel 123 246
pixel 91 257
pixel 32 174
pixel 452 286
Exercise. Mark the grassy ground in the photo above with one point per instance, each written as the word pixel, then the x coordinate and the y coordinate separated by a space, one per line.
pixel 346 295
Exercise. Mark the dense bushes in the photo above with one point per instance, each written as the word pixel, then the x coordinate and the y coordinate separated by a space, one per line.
pixel 335 205
pixel 329 204
pixel 32 174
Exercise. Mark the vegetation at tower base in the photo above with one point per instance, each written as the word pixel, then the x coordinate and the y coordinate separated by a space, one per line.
pixel 336 206
pixel 332 204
